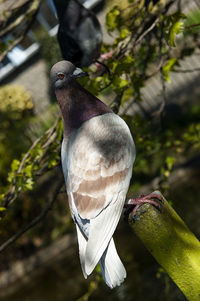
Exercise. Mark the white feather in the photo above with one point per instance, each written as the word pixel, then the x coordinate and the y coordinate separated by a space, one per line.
pixel 112 268
pixel 97 163
pixel 101 231
pixel 82 243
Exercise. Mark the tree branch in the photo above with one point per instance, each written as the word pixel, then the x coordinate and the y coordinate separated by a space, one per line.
pixel 116 103
pixel 192 26
pixel 38 218
pixel 13 18
pixel 16 22
pixel 12 193
pixel 186 70
pixel 150 28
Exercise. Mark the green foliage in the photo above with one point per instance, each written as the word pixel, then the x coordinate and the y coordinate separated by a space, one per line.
pixel 129 68
pixel 15 101
pixel 137 55
pixel 173 25
pixel 168 67
pixel 42 156
pixel 112 19
pixel 131 63
pixel 192 135
pixel 192 18
pixel 16 107
pixel 159 151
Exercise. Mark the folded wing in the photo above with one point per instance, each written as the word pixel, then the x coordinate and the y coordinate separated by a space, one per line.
pixel 98 164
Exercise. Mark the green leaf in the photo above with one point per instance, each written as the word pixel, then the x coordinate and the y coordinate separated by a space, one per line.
pixel 2 196
pixel 29 170
pixel 167 68
pixel 118 84
pixel 124 33
pixel 28 184
pixel 15 165
pixel 123 83
pixel 112 19
pixel 175 29
pixel 122 66
pixel 173 26
pixel 128 94
pixel 170 162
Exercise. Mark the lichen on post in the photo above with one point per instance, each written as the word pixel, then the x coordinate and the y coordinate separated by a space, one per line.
pixel 172 244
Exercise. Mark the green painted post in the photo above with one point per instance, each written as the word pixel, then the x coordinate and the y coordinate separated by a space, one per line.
pixel 172 244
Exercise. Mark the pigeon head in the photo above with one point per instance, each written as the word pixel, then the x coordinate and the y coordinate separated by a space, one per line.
pixel 76 103
pixel 63 73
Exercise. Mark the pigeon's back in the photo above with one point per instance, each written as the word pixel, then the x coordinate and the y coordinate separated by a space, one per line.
pixel 97 160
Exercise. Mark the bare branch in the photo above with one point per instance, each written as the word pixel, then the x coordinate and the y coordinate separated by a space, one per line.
pixel 164 98
pixel 15 43
pixel 186 70
pixel 8 7
pixel 38 218
pixel 192 26
pixel 156 70
pixel 105 66
pixel 16 16
pixel 141 37
pixel 18 21
pixel 116 103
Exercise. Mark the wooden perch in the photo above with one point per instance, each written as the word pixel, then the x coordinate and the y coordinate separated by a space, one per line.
pixel 172 244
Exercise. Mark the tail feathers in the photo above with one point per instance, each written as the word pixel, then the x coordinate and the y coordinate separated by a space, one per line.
pixel 112 268
pixel 82 242
pixel 101 231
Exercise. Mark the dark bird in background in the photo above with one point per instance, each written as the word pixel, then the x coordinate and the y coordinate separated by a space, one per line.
pixel 79 33
pixel 97 158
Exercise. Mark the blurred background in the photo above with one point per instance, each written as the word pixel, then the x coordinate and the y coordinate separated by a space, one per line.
pixel 150 76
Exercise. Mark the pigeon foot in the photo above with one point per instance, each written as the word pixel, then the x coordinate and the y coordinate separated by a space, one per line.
pixel 135 203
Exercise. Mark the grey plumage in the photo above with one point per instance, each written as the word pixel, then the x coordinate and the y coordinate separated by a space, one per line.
pixel 79 33
pixel 97 157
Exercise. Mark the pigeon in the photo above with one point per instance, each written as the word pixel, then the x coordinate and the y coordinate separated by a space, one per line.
pixel 79 33
pixel 97 156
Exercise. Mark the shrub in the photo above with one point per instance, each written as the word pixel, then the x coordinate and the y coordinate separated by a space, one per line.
pixel 16 107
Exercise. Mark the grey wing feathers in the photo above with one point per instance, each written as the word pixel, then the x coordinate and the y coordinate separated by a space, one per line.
pixel 97 163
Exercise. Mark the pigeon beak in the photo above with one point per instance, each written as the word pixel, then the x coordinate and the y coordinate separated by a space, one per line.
pixel 78 72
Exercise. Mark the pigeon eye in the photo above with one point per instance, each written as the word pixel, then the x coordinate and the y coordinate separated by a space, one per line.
pixel 61 75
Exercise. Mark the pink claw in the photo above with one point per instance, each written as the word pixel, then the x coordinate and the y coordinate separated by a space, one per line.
pixel 135 203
